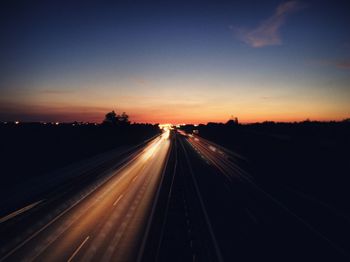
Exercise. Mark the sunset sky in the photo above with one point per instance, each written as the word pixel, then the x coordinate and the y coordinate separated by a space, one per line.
pixel 175 61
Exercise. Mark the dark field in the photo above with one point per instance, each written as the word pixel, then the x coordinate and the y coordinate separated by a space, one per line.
pixel 29 150
pixel 309 157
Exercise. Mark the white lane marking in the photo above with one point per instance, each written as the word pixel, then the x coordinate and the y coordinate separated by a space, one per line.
pixel 77 250
pixel 123 170
pixel 116 202
pixel 39 231
pixel 20 211
pixel 134 178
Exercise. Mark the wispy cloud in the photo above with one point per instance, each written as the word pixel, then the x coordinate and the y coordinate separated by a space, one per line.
pixel 338 63
pixel 267 33
pixel 343 64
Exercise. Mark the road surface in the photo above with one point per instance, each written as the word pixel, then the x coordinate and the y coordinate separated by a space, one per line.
pixel 203 206
pixel 252 222
pixel 105 223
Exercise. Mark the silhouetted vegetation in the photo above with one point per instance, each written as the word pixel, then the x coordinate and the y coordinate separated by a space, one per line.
pixel 112 118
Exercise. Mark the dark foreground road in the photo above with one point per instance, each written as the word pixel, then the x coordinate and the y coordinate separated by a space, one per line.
pixel 252 222
pixel 180 198
pixel 212 210
pixel 102 223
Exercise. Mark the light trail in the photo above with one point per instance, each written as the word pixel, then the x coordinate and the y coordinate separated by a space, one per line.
pixel 20 211
pixel 223 161
pixel 221 158
pixel 114 233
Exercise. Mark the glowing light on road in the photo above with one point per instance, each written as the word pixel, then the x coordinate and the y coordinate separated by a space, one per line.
pixel 215 154
pixel 149 151
pixel 117 206
pixel 166 134
pixel 166 126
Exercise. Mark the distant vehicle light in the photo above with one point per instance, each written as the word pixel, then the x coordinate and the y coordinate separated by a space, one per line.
pixel 16 122
pixel 166 126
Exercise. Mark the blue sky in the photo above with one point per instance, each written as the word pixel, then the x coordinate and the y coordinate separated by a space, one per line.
pixel 177 61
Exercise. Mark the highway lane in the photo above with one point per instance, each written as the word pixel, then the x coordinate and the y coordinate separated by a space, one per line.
pixel 107 223
pixel 222 158
pixel 181 230
pixel 51 184
pixel 50 195
pixel 250 222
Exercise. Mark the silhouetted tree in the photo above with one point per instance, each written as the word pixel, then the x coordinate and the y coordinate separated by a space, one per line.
pixel 232 122
pixel 112 118
pixel 123 119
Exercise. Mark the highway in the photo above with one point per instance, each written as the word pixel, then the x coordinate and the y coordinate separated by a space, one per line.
pixel 103 223
pixel 181 229
pixel 180 197
pixel 252 222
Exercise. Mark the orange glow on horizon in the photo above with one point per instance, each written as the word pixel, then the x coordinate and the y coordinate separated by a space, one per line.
pixel 156 111
pixel 98 118
pixel 51 115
